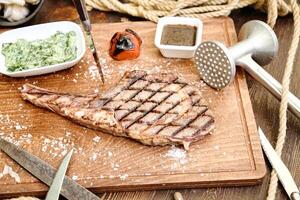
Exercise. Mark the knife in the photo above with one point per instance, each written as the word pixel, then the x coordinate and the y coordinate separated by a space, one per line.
pixel 283 173
pixel 45 172
pixel 86 23
pixel 55 188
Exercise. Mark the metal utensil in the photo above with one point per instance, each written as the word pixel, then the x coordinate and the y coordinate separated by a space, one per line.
pixel 86 23
pixel 258 45
pixel 283 173
pixel 55 188
pixel 45 172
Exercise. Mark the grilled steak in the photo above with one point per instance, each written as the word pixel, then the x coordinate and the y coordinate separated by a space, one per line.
pixel 154 109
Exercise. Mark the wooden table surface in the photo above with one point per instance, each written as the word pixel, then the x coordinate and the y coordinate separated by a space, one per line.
pixel 265 106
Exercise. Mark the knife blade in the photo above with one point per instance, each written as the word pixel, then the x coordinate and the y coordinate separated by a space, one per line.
pixel 283 172
pixel 55 188
pixel 45 172
pixel 86 23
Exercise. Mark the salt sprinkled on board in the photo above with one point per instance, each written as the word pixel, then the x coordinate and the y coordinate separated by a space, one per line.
pixel 74 177
pixel 115 166
pixel 9 171
pixel 96 139
pixel 7 122
pixel 18 127
pixel 93 70
pixel 26 138
pixel 111 176
pixel 177 154
pixel 123 177
pixel 109 153
pixel 68 134
pixel 94 157
pixel 57 147
pixel 17 140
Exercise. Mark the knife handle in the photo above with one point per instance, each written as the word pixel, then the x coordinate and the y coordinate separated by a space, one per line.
pixel 83 14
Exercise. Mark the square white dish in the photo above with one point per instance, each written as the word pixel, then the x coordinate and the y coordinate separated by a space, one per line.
pixel 42 31
pixel 174 51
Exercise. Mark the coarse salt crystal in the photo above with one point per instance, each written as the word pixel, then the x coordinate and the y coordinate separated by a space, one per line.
pixel 64 152
pixel 93 70
pixel 9 171
pixel 177 154
pixel 46 140
pixel 94 157
pixel 44 148
pixel 96 139
pixel 123 177
pixel 68 133
pixel 18 127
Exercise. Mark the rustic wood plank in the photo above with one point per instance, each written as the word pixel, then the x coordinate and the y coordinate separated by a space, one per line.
pixel 231 156
pixel 264 105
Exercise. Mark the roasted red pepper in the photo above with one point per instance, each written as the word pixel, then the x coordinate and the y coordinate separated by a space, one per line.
pixel 125 45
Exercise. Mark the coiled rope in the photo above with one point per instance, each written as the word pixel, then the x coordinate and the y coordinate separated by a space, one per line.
pixel 154 9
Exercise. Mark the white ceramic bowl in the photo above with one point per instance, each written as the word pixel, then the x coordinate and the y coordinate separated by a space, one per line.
pixel 42 31
pixel 174 51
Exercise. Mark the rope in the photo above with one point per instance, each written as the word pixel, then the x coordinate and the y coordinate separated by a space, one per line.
pixel 153 9
pixel 284 101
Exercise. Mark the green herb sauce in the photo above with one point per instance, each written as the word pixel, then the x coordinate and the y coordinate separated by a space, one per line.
pixel 23 54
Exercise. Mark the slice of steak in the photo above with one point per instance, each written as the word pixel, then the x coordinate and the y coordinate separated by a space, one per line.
pixel 154 109
pixel 73 107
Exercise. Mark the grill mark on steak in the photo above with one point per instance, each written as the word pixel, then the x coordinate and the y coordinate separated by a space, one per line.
pixel 206 125
pixel 147 112
pixel 147 81
pixel 154 109
pixel 157 104
pixel 185 125
pixel 119 88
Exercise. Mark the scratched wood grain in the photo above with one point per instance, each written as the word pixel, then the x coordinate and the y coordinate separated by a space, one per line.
pixel 231 156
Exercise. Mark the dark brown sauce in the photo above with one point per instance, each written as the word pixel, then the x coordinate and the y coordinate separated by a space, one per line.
pixel 180 35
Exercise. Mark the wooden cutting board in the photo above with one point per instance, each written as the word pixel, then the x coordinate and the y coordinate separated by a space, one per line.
pixel 101 162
